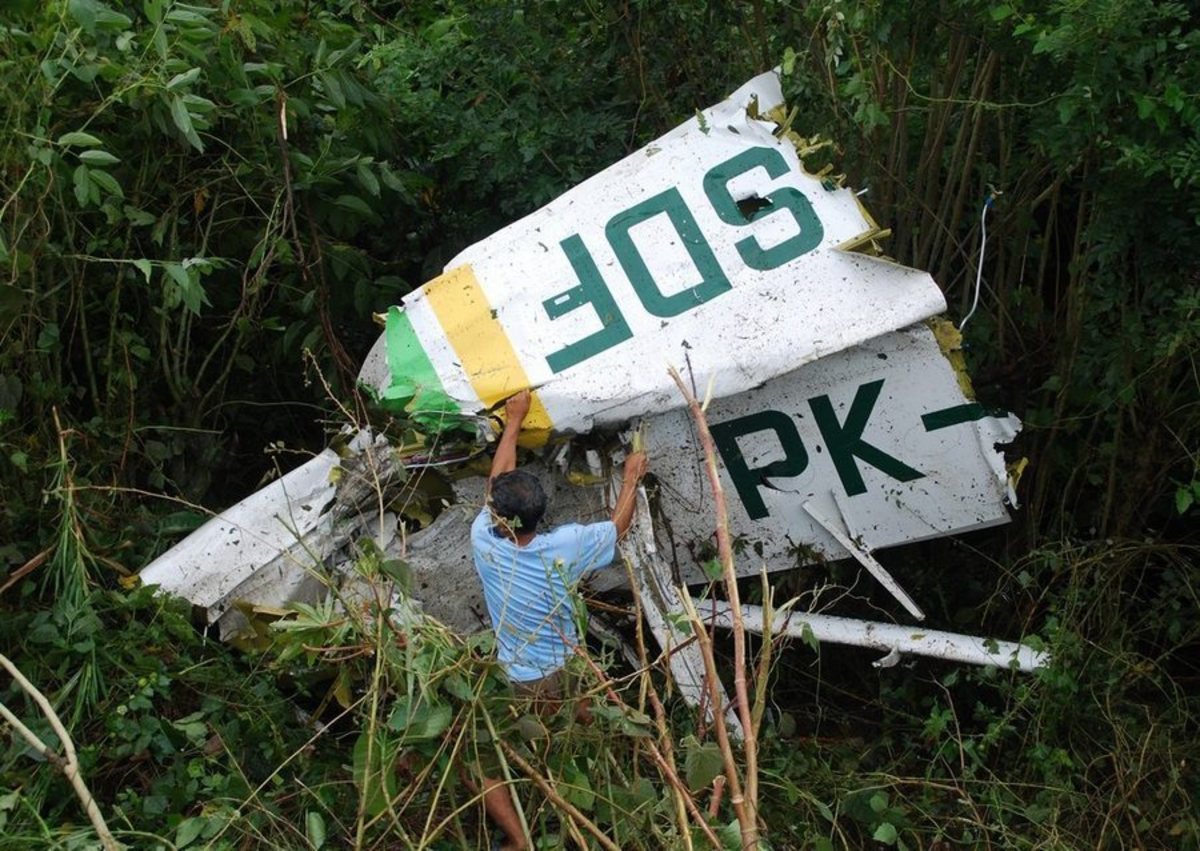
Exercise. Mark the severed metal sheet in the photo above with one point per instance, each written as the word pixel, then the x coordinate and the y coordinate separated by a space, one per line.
pixel 878 441
pixel 842 425
pixel 712 244
pixel 279 530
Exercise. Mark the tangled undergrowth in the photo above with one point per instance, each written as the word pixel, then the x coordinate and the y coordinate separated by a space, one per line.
pixel 362 728
pixel 193 194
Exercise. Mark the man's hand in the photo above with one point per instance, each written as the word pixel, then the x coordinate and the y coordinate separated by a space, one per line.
pixel 515 410
pixel 635 466
pixel 517 407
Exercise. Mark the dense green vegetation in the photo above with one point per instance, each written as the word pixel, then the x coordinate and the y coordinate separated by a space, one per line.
pixel 184 286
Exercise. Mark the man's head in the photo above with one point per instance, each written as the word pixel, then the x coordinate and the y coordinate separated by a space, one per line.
pixel 518 501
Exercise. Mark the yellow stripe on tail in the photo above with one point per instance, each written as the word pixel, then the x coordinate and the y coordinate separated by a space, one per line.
pixel 484 350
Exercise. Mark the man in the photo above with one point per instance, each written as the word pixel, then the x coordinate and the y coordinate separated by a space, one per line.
pixel 529 578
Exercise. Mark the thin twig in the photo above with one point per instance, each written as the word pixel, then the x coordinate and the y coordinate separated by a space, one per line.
pixel 660 761
pixel 558 800
pixel 27 568
pixel 660 715
pixel 69 765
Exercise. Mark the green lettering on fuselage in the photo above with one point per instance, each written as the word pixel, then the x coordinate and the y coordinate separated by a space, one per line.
pixel 746 479
pixel 590 290
pixel 716 187
pixel 712 278
pixel 845 441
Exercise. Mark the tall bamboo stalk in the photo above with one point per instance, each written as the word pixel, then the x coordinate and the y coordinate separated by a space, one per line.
pixel 747 808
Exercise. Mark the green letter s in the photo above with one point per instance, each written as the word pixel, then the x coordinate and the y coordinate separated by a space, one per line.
pixel 716 187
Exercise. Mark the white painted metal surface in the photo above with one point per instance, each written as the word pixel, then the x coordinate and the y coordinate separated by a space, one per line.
pixel 894 639
pixel 652 262
pixel 878 440
pixel 662 607
pixel 841 424
pixel 268 528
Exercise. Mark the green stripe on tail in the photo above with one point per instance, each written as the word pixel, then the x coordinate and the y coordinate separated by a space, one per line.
pixel 415 389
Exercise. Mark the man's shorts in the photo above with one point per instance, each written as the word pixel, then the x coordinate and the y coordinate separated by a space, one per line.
pixel 545 696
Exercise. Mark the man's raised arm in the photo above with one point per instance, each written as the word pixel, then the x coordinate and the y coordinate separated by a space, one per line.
pixel 635 468
pixel 505 459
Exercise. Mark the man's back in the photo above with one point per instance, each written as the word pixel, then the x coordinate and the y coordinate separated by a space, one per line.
pixel 528 589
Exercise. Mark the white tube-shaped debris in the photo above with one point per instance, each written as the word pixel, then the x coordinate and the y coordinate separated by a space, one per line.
pixel 887 637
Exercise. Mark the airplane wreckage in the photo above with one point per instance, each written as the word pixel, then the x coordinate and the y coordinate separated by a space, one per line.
pixel 839 406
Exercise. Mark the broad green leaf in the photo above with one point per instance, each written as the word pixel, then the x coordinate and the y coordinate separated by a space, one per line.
pixel 730 835
pixel 378 782
pixel 188 830
pixel 110 19
pixel 439 28
pixel 333 90
pixel 314 827
pixel 368 180
pixel 807 636
pixel 183 120
pixel 138 218
pixel 457 686
pixel 83 11
pixel 83 186
pixel 789 61
pixel 183 79
pixel 98 158
pixel 356 205
pixel 92 14
pixel 246 97
pixel 106 182
pixel 198 104
pixel 886 833
pixel 159 231
pixel 390 180
pixel 178 274
pixel 191 292
pixel 144 267
pixel 86 72
pixel 187 16
pixel 78 137
pixel 702 763
pixel 577 788
pixel 425 722
pixel 399 572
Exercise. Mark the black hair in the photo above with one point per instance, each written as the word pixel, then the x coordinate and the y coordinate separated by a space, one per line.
pixel 518 500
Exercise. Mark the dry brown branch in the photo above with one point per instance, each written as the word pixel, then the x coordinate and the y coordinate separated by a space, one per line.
pixel 68 765
pixel 660 761
pixel 660 715
pixel 745 801
pixel 737 797
pixel 718 792
pixel 558 800
pixel 27 568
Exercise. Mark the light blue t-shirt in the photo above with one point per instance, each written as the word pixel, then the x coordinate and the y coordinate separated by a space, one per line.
pixel 528 590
